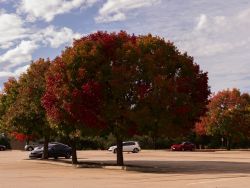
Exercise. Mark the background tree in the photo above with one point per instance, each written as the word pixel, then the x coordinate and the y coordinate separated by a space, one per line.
pixel 227 116
pixel 26 114
pixel 7 99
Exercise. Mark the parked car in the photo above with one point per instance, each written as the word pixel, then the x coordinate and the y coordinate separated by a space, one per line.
pixel 32 145
pixel 184 146
pixel 129 146
pixel 2 147
pixel 55 150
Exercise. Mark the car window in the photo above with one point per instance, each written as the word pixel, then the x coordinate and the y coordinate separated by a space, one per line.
pixel 64 146
pixel 58 147
pixel 125 144
pixel 51 146
pixel 128 144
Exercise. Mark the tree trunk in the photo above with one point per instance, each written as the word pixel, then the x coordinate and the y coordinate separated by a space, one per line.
pixel 119 153
pixel 46 147
pixel 154 142
pixel 74 153
pixel 228 143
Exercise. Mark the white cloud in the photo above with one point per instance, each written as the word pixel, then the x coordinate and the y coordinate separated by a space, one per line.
pixel 56 37
pixel 11 29
pixel 4 74
pixel 18 55
pixel 115 10
pixel 48 9
pixel 27 43
pixel 19 42
pixel 216 35
pixel 21 70
pixel 17 72
pixel 202 22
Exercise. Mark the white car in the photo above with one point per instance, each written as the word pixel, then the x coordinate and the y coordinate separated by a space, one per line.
pixel 32 145
pixel 129 146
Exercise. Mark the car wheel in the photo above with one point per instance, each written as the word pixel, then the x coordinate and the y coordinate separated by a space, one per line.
pixel 67 156
pixel 115 150
pixel 1 149
pixel 30 148
pixel 136 150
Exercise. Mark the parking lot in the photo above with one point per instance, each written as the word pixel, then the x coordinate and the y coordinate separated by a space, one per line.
pixel 170 169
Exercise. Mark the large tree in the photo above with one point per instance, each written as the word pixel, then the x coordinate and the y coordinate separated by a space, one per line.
pixel 26 114
pixel 126 83
pixel 228 116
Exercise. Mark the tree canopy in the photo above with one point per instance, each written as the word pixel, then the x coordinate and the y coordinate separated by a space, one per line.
pixel 23 111
pixel 228 116
pixel 126 84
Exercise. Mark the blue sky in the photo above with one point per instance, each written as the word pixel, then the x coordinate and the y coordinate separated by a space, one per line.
pixel 215 32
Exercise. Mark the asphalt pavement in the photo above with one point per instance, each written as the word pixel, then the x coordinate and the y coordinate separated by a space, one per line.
pixel 221 169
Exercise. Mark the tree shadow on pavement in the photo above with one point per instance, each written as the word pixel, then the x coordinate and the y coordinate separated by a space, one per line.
pixel 181 167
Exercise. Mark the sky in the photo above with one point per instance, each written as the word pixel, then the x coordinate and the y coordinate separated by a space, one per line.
pixel 215 32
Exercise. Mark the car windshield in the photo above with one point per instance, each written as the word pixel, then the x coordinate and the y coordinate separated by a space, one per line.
pixel 38 148
pixel 41 147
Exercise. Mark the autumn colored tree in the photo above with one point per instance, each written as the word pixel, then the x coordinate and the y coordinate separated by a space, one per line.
pixel 228 116
pixel 26 115
pixel 173 91
pixel 72 99
pixel 89 86
pixel 126 83
pixel 7 99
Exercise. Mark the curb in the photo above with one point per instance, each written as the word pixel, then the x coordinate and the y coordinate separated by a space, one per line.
pixel 107 167
pixel 52 163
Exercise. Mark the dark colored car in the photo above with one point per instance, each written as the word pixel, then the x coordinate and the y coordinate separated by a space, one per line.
pixel 2 147
pixel 55 150
pixel 184 146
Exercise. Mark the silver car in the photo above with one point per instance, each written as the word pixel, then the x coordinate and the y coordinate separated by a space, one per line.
pixel 128 146
pixel 32 145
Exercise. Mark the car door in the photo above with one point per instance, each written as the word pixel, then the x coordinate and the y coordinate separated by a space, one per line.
pixel 125 146
pixel 188 146
pixel 56 150
pixel 130 146
pixel 61 150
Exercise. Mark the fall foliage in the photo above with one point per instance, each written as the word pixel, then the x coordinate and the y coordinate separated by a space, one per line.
pixel 24 114
pixel 126 84
pixel 228 116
